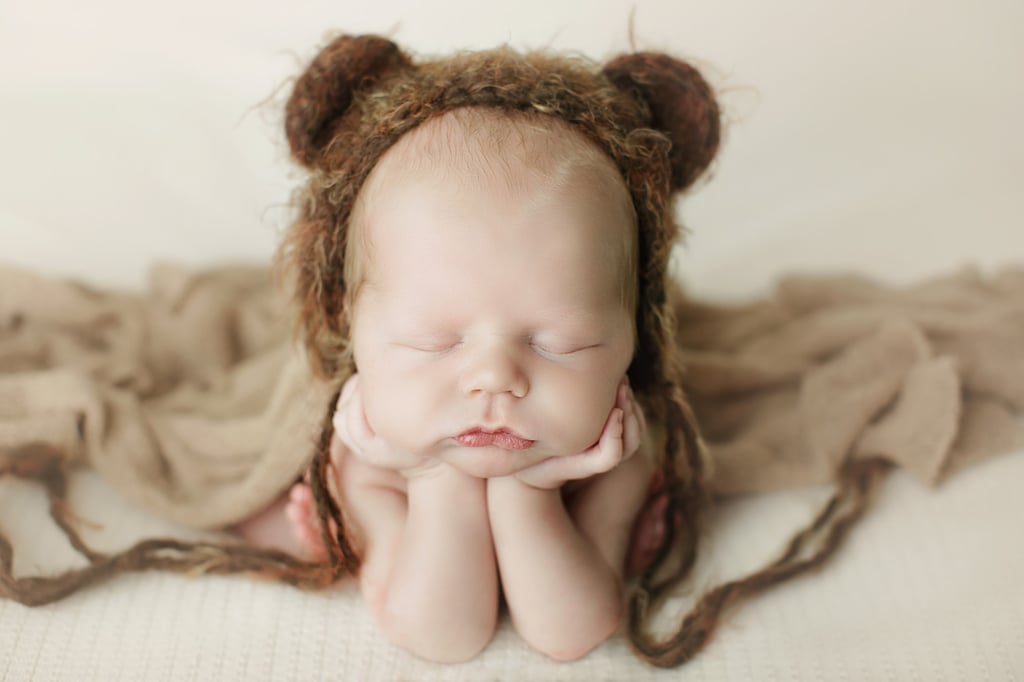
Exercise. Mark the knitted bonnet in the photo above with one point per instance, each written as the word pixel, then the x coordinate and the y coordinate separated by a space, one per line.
pixel 653 115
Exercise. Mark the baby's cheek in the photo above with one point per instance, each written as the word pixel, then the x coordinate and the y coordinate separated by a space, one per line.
pixel 397 414
pixel 581 412
pixel 379 406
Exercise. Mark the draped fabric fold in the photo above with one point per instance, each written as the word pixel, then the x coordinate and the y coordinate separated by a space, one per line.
pixel 929 377
pixel 192 400
pixel 189 398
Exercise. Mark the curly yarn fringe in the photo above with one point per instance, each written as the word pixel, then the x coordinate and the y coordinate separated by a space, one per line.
pixel 808 550
pixel 45 464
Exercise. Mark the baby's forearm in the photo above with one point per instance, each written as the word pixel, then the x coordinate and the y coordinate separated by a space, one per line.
pixel 441 595
pixel 563 596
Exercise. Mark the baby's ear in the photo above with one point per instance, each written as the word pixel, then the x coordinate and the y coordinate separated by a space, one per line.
pixel 682 106
pixel 324 92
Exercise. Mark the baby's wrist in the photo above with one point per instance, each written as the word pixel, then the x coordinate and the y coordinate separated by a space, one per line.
pixel 445 481
pixel 515 490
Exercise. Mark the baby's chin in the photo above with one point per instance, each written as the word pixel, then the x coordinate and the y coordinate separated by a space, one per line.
pixel 491 461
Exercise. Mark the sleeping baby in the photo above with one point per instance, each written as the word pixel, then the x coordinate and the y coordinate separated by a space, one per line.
pixel 481 262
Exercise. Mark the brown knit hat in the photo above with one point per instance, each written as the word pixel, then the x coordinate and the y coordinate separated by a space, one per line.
pixel 653 115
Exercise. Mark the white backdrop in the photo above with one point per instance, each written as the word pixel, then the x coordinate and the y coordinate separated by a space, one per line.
pixel 881 136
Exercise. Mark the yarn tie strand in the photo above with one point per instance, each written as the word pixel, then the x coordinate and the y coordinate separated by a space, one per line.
pixel 807 550
pixel 47 465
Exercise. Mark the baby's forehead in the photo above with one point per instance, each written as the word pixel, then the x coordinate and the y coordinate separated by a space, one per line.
pixel 485 155
pixel 479 142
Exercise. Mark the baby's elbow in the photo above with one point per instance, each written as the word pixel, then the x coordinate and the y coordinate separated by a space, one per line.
pixel 432 636
pixel 438 642
pixel 576 643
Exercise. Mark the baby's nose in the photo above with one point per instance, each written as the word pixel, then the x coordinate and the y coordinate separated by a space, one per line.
pixel 495 370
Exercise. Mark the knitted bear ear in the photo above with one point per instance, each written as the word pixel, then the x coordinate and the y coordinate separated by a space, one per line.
pixel 324 92
pixel 682 106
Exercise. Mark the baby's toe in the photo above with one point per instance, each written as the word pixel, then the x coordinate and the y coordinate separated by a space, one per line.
pixel 300 494
pixel 648 535
pixel 304 526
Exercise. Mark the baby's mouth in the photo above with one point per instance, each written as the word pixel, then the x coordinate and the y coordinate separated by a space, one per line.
pixel 502 438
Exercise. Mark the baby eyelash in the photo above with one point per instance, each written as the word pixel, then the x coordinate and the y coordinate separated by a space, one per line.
pixel 432 348
pixel 552 351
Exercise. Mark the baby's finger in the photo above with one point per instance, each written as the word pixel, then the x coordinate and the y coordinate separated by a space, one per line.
pixel 367 445
pixel 342 409
pixel 631 432
pixel 604 456
pixel 643 419
pixel 358 425
pixel 351 426
pixel 340 423
pixel 362 434
pixel 338 447
pixel 348 390
pixel 636 429
pixel 607 454
pixel 622 396
pixel 610 446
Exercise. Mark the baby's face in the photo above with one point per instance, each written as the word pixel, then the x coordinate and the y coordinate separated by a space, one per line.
pixel 491 330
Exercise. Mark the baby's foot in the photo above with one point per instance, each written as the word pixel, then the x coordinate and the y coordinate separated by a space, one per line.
pixel 648 534
pixel 305 526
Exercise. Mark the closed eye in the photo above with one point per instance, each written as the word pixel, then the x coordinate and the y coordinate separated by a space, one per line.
pixel 552 349
pixel 430 347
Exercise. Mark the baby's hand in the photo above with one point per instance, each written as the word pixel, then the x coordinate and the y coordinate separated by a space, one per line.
pixel 620 439
pixel 355 432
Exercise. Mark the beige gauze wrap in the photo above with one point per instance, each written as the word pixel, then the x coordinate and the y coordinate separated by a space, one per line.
pixel 192 399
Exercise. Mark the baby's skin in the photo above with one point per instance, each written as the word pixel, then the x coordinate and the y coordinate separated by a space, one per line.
pixel 590 521
pixel 490 444
pixel 435 539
